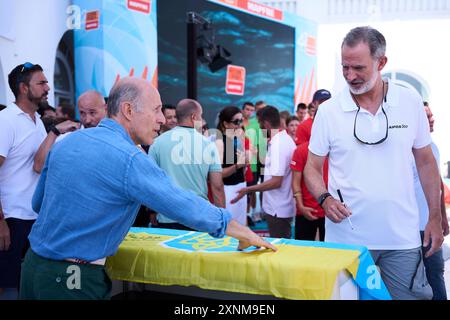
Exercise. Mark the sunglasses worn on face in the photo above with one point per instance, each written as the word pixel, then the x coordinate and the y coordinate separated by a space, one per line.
pixel 236 122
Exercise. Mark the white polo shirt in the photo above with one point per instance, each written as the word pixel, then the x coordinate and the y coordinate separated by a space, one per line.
pixel 279 202
pixel 66 134
pixel 376 181
pixel 20 138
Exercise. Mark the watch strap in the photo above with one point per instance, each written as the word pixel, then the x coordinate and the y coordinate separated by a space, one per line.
pixel 55 130
pixel 322 198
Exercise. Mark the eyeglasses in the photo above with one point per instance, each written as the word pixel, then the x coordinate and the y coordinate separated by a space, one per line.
pixel 370 143
pixel 385 115
pixel 236 122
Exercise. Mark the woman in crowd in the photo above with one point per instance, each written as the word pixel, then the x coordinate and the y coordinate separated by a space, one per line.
pixel 234 160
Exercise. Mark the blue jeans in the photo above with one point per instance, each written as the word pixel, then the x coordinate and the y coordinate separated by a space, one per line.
pixel 434 267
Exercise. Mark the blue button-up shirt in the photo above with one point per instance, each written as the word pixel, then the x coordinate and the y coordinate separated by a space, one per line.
pixel 90 191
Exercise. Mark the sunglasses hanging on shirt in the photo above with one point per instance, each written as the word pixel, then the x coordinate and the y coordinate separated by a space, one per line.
pixel 383 99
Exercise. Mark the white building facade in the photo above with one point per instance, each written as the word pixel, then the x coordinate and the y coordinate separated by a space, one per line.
pixel 32 31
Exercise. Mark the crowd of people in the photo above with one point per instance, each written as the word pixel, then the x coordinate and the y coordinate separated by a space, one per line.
pixel 358 167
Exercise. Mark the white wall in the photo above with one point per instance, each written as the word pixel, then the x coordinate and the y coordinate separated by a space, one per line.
pixel 421 47
pixel 3 86
pixel 30 31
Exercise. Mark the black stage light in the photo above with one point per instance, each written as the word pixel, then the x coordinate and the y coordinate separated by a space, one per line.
pixel 220 59
pixel 205 50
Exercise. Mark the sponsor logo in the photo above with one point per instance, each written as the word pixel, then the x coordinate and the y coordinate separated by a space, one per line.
pixel 311 46
pixel 139 5
pixel 256 8
pixel 399 126
pixel 92 20
pixel 235 82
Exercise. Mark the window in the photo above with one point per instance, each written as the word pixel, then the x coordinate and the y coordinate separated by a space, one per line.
pixel 410 80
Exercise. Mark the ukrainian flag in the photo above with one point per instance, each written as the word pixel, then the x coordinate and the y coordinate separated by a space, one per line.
pixel 303 270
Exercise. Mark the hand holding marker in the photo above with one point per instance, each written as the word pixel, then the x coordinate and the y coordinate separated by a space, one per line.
pixel 342 201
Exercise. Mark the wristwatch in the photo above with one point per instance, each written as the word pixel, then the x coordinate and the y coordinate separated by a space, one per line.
pixel 55 130
pixel 322 198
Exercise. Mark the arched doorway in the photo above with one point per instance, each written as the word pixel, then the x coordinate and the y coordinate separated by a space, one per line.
pixel 64 82
pixel 410 80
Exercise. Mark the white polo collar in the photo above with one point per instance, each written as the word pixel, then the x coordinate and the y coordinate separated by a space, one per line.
pixel 279 133
pixel 348 105
pixel 15 108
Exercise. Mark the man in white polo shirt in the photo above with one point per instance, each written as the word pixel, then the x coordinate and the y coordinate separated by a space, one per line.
pixel 21 133
pixel 370 132
pixel 278 201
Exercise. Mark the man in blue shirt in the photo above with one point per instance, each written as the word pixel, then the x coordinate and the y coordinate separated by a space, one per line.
pixel 90 190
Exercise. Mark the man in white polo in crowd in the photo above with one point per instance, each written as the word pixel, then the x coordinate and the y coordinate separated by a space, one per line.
pixel 21 133
pixel 278 201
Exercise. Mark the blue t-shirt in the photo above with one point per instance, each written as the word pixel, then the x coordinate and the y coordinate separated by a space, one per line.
pixel 90 190
pixel 187 157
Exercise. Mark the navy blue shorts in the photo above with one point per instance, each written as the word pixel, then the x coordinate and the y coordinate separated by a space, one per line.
pixel 11 260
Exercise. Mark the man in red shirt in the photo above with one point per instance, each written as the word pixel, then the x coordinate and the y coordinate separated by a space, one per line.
pixel 304 129
pixel 310 215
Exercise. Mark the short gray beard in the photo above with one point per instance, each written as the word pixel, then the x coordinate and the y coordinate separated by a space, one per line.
pixel 369 85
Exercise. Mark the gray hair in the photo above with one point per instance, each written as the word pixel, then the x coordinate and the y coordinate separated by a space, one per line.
pixel 374 39
pixel 126 91
pixel 185 108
